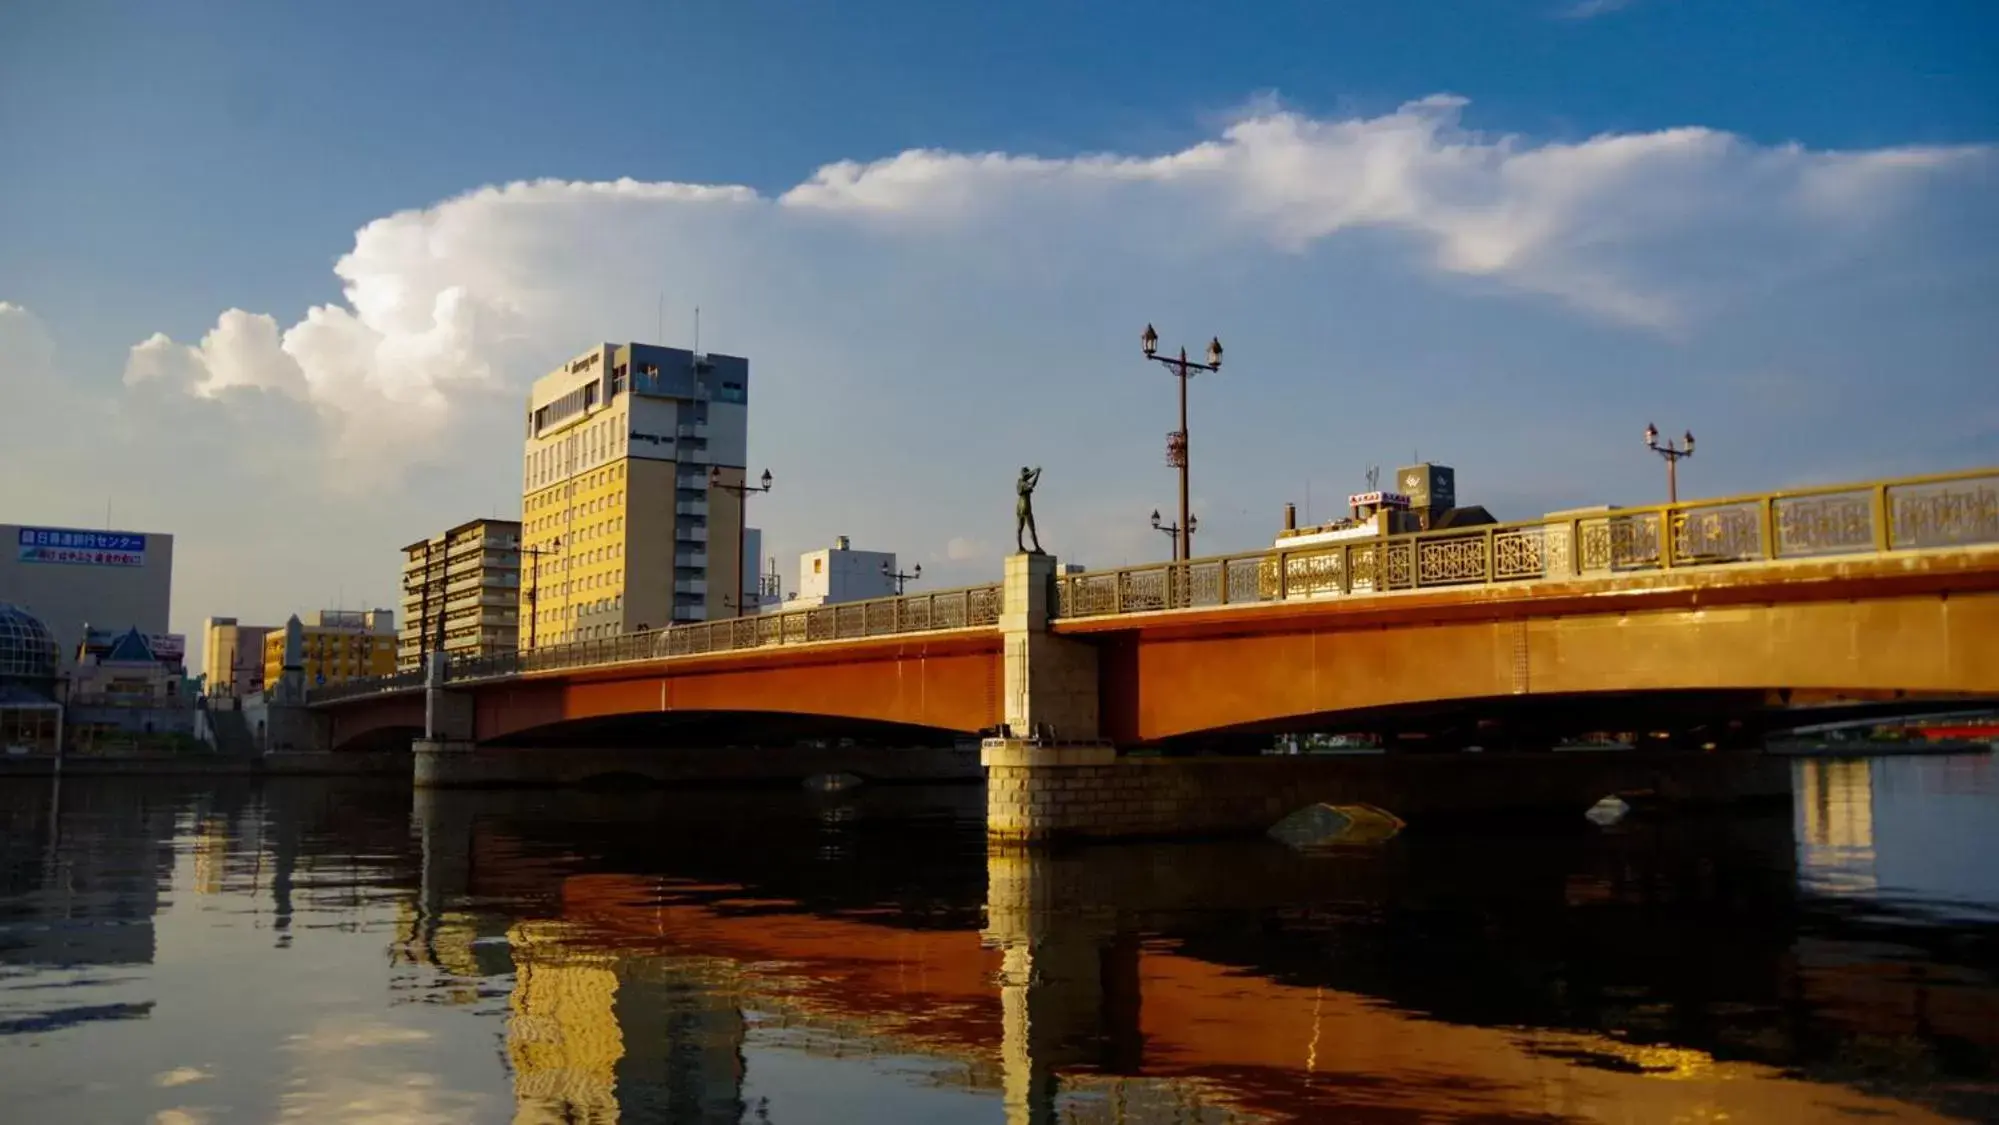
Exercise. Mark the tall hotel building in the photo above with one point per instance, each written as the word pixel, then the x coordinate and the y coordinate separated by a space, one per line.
pixel 620 529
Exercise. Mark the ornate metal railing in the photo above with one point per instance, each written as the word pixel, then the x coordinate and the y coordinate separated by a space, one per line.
pixel 971 607
pixel 1954 510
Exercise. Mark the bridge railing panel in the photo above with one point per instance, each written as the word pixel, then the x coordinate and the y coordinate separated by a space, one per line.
pixel 1952 510
pixel 971 607
pixel 1946 513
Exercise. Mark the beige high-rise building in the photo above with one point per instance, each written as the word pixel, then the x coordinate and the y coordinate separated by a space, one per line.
pixel 471 575
pixel 232 657
pixel 629 519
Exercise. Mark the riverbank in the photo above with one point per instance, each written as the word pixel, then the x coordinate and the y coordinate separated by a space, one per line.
pixel 1804 748
pixel 211 765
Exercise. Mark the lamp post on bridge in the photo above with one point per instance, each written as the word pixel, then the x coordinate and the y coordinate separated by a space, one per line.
pixel 1176 442
pixel 1172 531
pixel 534 585
pixel 742 492
pixel 898 577
pixel 1672 453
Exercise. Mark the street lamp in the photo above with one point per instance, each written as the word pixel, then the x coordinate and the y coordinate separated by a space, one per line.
pixel 898 577
pixel 742 492
pixel 1176 442
pixel 1172 531
pixel 1672 453
pixel 534 586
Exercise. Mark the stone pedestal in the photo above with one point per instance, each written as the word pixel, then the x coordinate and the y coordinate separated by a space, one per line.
pixel 1038 792
pixel 1050 681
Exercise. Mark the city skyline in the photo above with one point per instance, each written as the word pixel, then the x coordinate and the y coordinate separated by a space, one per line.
pixel 1514 284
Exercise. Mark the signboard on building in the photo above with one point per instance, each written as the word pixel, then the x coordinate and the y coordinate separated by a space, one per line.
pixel 1378 500
pixel 68 546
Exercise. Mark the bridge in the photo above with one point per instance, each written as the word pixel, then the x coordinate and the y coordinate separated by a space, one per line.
pixel 1680 623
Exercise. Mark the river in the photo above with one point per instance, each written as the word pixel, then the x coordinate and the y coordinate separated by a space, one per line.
pixel 178 952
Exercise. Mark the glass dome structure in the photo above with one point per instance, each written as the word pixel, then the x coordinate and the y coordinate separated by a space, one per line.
pixel 28 651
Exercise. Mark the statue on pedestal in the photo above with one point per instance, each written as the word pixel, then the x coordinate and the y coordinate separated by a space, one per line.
pixel 1023 512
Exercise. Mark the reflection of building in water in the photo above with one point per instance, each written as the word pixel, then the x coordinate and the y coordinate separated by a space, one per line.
pixel 211 853
pixel 1835 820
pixel 595 1033
pixel 87 863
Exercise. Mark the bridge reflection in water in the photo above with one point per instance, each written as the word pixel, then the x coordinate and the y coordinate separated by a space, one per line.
pixel 1669 972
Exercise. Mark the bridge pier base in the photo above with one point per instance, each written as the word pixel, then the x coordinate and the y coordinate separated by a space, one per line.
pixel 1037 794
pixel 444 762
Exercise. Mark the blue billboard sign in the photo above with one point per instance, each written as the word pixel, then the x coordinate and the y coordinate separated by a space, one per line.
pixel 72 547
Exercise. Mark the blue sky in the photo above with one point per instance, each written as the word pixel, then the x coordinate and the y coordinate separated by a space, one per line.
pixel 1819 262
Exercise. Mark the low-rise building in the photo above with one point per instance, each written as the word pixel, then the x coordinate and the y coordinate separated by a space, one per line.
pixel 232 657
pixel 129 691
pixel 337 645
pixel 842 574
pixel 471 575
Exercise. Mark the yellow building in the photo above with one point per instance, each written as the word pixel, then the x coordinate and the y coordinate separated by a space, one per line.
pixel 632 501
pixel 338 645
pixel 471 575
pixel 232 657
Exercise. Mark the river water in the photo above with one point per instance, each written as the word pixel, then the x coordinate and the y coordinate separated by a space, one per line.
pixel 224 951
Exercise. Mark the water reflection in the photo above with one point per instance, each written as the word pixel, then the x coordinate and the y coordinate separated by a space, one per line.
pixel 719 957
pixel 1835 807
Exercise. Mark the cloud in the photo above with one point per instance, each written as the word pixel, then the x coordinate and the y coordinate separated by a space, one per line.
pixel 920 325
pixel 963 548
pixel 1590 9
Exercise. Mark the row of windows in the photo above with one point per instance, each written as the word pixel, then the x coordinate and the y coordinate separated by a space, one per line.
pixel 589 446
pixel 587 582
pixel 615 601
pixel 598 479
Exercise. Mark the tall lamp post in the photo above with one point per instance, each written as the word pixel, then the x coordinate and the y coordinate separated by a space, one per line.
pixel 1176 442
pixel 898 577
pixel 1172 531
pixel 1672 453
pixel 534 585
pixel 742 492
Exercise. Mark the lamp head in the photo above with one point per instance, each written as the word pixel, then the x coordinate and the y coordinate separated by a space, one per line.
pixel 1651 435
pixel 1155 517
pixel 1149 341
pixel 766 480
pixel 1215 352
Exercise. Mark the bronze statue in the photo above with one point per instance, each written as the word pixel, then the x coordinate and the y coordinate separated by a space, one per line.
pixel 1023 512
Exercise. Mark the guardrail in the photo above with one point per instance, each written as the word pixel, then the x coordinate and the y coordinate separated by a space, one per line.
pixel 1951 510
pixel 970 607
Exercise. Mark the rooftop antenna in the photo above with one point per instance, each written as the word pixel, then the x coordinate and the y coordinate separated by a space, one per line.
pixel 697 330
pixel 659 320
pixel 1373 477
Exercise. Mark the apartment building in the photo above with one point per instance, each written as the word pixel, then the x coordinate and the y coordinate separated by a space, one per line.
pixel 627 508
pixel 469 575
pixel 338 645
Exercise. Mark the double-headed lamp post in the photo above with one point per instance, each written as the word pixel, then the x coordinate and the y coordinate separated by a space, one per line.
pixel 1672 453
pixel 742 492
pixel 1172 531
pixel 898 577
pixel 1176 442
pixel 534 586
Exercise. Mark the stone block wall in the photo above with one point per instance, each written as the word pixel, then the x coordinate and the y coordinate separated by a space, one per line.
pixel 1099 795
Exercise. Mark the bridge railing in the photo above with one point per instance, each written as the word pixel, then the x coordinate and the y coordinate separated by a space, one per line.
pixel 969 607
pixel 1918 513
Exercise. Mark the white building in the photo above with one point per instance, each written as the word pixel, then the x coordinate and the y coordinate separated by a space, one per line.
pixel 841 574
